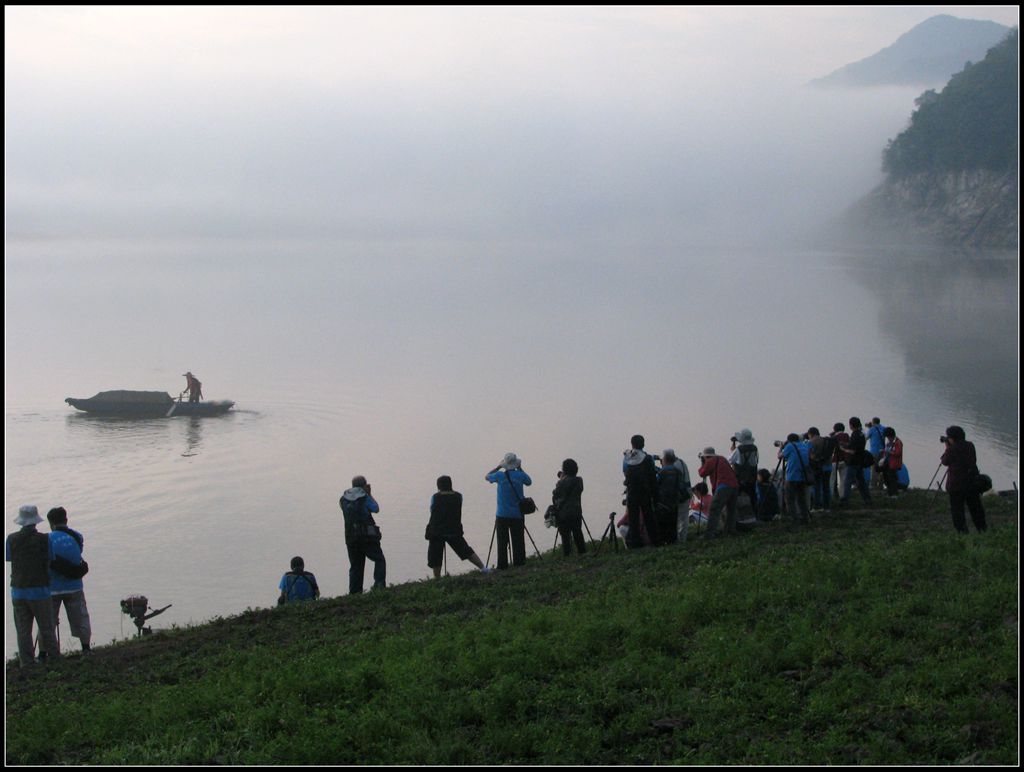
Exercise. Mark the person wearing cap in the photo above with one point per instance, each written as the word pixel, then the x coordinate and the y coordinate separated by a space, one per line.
pixel 297 584
pixel 641 491
pixel 193 386
pixel 445 527
pixel 725 488
pixel 66 572
pixel 508 521
pixel 744 462
pixel 29 554
pixel 362 536
pixel 673 494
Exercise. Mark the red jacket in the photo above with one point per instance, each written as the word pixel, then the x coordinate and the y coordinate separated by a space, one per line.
pixel 720 472
pixel 894 455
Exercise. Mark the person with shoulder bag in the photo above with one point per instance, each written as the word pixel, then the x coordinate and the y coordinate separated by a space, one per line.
pixel 66 572
pixel 512 505
pixel 962 480
pixel 362 535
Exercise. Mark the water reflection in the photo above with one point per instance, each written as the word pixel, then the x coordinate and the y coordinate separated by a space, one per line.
pixel 193 436
pixel 953 318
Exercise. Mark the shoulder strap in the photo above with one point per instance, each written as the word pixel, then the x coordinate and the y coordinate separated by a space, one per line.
pixel 510 485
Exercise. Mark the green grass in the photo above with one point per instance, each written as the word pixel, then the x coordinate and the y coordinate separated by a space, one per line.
pixel 871 637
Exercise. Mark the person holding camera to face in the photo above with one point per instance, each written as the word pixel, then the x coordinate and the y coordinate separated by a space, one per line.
pixel 509 524
pixel 962 462
pixel 567 506
pixel 799 477
pixel 891 462
pixel 641 491
pixel 857 460
pixel 744 463
pixel 362 535
pixel 726 489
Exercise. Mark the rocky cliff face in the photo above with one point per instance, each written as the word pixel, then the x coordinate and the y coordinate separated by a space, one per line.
pixel 974 209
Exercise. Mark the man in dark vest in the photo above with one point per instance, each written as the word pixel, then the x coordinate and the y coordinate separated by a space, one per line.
pixel 29 554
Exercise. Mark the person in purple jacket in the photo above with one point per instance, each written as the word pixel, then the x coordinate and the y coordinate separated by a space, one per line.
pixel 962 463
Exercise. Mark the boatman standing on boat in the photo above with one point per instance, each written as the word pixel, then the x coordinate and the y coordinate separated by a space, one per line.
pixel 194 387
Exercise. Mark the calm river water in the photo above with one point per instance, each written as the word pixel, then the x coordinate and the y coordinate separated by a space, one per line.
pixel 406 364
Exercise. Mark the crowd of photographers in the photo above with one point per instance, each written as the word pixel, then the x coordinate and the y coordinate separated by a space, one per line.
pixel 812 472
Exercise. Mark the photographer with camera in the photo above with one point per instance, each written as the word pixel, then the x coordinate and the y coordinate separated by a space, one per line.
pixel 876 446
pixel 744 463
pixel 797 457
pixel 857 460
pixel 445 527
pixel 726 489
pixel 891 462
pixel 672 492
pixel 509 523
pixel 961 480
pixel 362 535
pixel 641 489
pixel 822 450
pixel 567 508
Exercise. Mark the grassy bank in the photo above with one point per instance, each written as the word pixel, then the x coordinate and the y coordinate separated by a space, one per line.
pixel 868 637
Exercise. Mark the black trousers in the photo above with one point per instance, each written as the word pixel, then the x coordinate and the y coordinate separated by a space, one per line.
pixel 511 529
pixel 973 502
pixel 572 532
pixel 358 552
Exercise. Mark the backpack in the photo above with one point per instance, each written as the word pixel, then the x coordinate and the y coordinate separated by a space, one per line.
pixel 828 448
pixel 746 473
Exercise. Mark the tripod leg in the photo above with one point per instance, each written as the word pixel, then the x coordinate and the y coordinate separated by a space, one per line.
pixel 589 534
pixel 531 540
pixel 446 558
pixel 493 532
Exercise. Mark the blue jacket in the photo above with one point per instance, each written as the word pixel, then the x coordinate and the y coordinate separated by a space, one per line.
pixel 508 501
pixel 62 543
pixel 794 470
pixel 876 439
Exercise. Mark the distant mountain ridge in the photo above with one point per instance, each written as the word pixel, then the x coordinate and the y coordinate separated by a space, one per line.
pixel 951 176
pixel 927 55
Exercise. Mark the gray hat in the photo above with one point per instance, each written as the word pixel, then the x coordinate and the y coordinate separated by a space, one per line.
pixel 744 437
pixel 708 451
pixel 28 514
pixel 511 461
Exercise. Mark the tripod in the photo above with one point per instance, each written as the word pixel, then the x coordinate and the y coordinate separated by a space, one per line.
pixel 508 544
pixel 559 533
pixel 938 490
pixel 609 534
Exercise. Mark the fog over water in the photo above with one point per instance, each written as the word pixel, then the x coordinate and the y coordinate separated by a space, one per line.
pixel 408 241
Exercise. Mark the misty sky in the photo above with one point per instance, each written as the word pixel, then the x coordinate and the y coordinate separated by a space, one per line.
pixel 393 124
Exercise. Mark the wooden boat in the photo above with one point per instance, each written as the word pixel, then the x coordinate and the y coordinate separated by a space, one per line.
pixel 146 404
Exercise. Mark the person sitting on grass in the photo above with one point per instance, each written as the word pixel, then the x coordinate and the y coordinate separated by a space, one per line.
pixel 767 497
pixel 700 505
pixel 298 584
pixel 445 527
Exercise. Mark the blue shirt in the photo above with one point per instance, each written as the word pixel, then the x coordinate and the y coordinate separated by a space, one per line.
pixel 509 495
pixel 297 587
pixel 794 470
pixel 64 545
pixel 876 436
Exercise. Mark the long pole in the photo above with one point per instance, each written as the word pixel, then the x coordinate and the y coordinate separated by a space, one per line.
pixel 938 490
